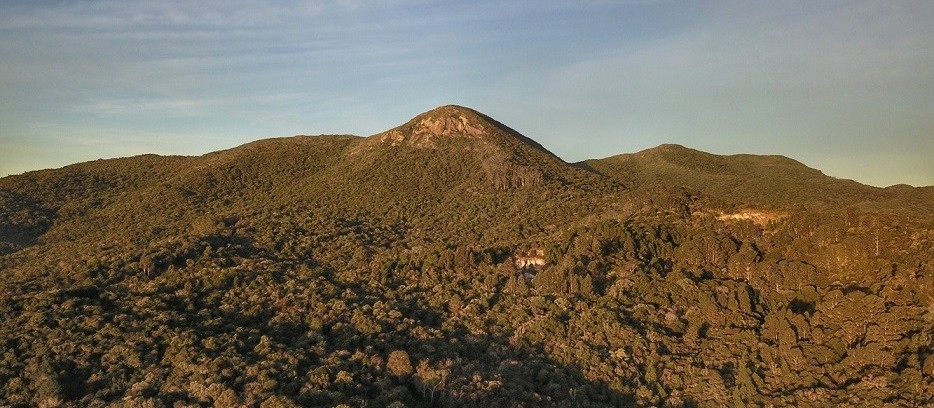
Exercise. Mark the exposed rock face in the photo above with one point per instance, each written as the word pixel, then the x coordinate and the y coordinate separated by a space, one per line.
pixel 443 126
pixel 523 262
pixel 443 122
pixel 534 260
pixel 756 216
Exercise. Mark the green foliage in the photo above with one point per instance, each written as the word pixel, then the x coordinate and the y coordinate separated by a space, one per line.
pixel 761 181
pixel 330 271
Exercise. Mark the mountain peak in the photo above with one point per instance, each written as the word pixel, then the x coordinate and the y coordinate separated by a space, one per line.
pixel 448 121
pixel 454 112
pixel 670 149
pixel 507 157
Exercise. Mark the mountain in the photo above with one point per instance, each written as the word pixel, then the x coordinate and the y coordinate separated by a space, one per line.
pixel 451 122
pixel 754 180
pixel 506 158
pixel 453 261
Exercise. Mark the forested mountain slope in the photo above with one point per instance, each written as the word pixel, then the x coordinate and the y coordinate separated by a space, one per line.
pixel 453 261
pixel 745 179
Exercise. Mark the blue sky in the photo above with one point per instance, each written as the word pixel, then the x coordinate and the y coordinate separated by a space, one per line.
pixel 843 86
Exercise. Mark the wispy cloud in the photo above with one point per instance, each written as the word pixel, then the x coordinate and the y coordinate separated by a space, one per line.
pixel 140 15
pixel 135 106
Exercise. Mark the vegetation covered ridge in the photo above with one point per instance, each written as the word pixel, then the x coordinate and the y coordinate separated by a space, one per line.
pixel 451 261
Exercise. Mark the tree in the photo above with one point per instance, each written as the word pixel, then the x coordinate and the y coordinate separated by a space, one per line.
pixel 399 364
pixel 146 264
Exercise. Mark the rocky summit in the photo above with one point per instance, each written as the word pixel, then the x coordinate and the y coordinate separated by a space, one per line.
pixel 444 121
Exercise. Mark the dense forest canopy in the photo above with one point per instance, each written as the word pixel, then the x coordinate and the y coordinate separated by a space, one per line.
pixel 452 261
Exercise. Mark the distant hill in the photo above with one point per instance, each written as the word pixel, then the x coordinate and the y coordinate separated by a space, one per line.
pixel 745 179
pixel 452 261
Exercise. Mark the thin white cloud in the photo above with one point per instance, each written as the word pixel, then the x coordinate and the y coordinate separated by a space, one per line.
pixel 111 15
pixel 135 106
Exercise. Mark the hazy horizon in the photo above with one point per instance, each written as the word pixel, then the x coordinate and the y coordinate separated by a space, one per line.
pixel 844 87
